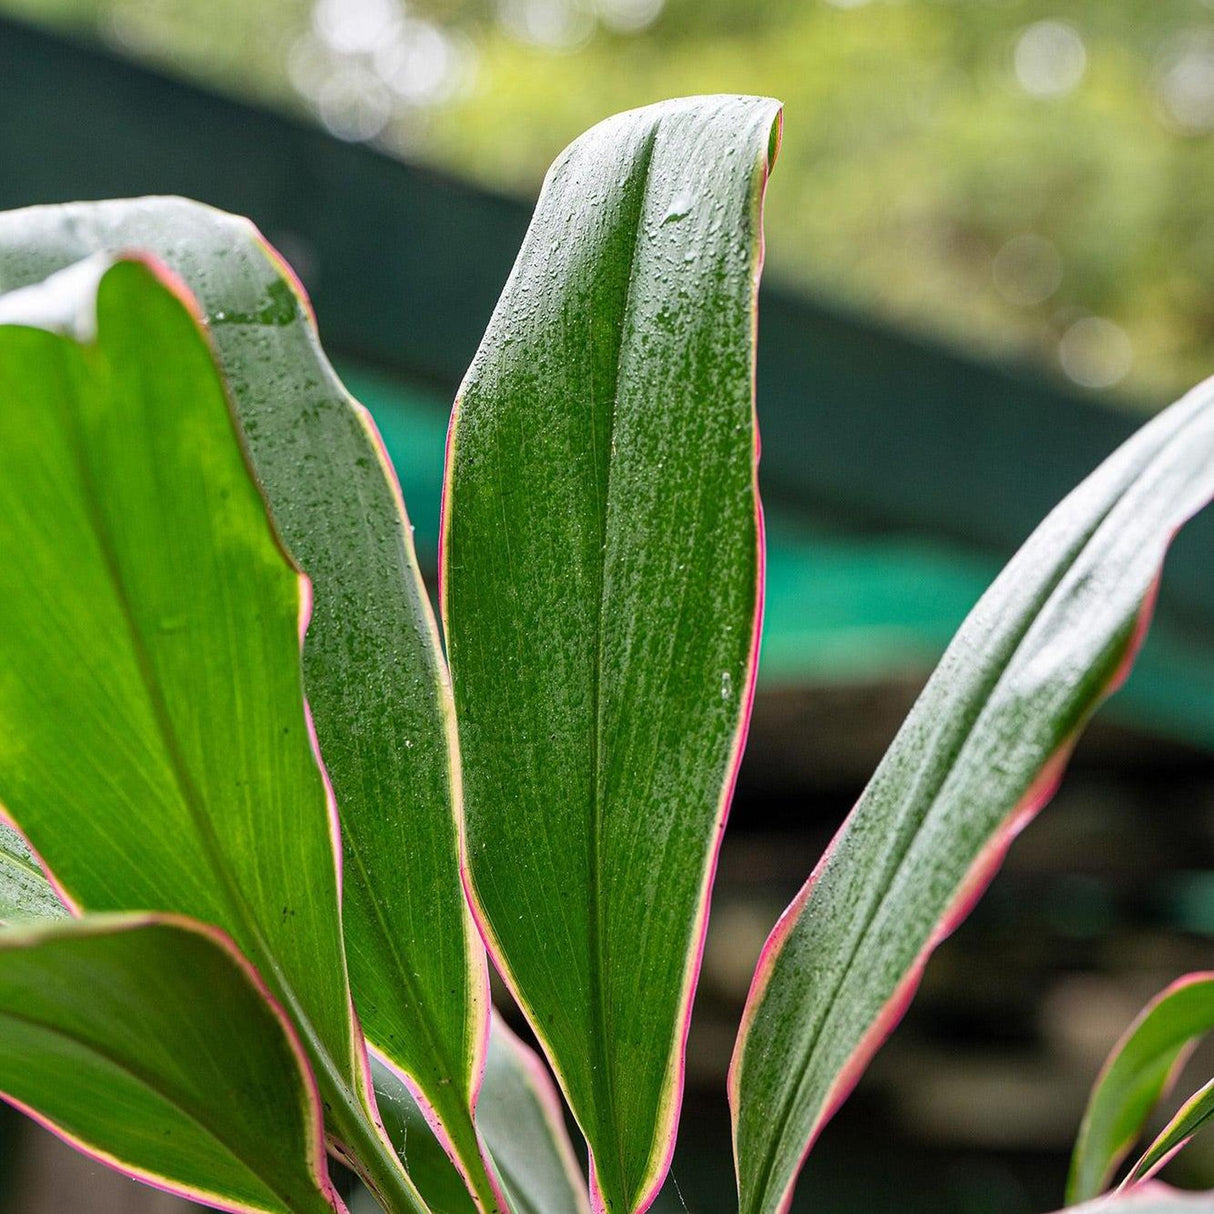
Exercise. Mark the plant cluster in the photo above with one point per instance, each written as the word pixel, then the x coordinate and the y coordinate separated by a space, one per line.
pixel 267 831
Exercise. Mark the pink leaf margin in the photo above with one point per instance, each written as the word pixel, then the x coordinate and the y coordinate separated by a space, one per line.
pixel 672 1098
pixel 176 286
pixel 478 968
pixel 317 1162
pixel 544 1091
pixel 440 1132
pixel 971 888
pixel 1183 1053
pixel 1147 1197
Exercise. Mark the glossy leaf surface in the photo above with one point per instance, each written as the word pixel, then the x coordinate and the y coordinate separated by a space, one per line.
pixel 1137 1074
pixel 601 588
pixel 980 753
pixel 149 1043
pixel 376 684
pixel 25 892
pixel 149 616
pixel 519 1114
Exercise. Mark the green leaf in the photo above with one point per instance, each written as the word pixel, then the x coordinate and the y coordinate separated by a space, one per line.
pixel 519 1114
pixel 1189 1118
pixel 1138 1072
pixel 149 1043
pixel 25 893
pixel 376 682
pixel 980 753
pixel 427 1162
pixel 154 742
pixel 601 581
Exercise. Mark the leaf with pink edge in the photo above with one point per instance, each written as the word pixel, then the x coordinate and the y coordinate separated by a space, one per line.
pixel 1196 1112
pixel 1137 1074
pixel 375 677
pixel 149 1043
pixel 602 574
pixel 520 1118
pixel 155 746
pixel 979 755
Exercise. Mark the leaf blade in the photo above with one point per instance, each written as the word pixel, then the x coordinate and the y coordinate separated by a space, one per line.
pixel 88 590
pixel 88 1046
pixel 980 753
pixel 519 1115
pixel 1188 1119
pixel 151 614
pixel 1137 1073
pixel 376 682
pixel 612 403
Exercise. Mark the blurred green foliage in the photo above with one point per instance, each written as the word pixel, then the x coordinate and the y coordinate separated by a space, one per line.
pixel 1026 178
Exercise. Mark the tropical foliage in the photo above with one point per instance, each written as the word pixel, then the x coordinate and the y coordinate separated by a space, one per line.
pixel 267 834
pixel 1024 178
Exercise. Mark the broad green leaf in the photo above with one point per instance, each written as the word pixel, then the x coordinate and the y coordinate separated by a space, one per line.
pixel 519 1114
pixel 1190 1117
pixel 148 1042
pixel 1136 1075
pixel 154 742
pixel 981 752
pixel 601 585
pixel 376 683
pixel 25 893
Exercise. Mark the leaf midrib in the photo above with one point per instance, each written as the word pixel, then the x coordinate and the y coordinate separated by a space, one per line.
pixel 190 795
pixel 603 1076
pixel 27 867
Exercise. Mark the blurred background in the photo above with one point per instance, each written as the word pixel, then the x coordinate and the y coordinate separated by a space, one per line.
pixel 990 255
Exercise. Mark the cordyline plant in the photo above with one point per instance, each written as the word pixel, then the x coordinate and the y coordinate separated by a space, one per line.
pixel 209 983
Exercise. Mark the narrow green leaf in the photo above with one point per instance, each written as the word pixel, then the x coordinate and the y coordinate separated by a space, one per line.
pixel 376 682
pixel 601 581
pixel 25 893
pixel 980 753
pixel 1138 1072
pixel 1189 1118
pixel 519 1115
pixel 154 742
pixel 149 1043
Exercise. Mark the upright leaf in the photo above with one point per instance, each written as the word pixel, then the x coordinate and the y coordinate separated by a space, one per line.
pixel 981 752
pixel 519 1114
pixel 375 680
pixel 149 1043
pixel 601 587
pixel 154 741
pixel 1136 1076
